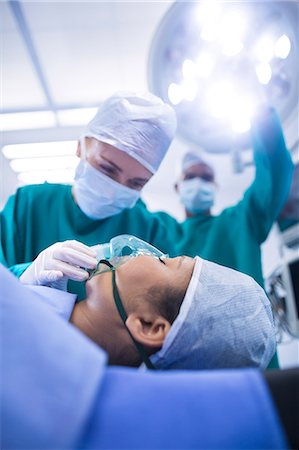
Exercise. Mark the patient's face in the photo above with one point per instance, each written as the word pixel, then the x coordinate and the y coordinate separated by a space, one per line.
pixel 136 276
pixel 139 274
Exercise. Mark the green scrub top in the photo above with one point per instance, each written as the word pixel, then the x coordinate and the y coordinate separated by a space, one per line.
pixel 38 216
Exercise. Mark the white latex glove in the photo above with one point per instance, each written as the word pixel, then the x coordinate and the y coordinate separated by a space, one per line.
pixel 60 262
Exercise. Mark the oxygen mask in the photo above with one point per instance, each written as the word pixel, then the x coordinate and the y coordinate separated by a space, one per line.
pixel 119 250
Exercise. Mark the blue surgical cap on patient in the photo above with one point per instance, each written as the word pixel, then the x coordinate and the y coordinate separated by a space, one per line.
pixel 141 125
pixel 225 321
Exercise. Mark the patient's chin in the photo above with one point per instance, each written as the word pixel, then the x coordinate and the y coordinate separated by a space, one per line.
pixel 99 288
pixel 92 286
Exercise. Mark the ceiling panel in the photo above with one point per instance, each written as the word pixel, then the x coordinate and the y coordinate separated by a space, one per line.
pixel 89 50
pixel 19 85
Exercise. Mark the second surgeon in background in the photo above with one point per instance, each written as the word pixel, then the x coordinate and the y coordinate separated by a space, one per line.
pixel 233 238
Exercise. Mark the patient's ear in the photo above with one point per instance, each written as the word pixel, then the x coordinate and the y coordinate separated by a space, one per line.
pixel 148 329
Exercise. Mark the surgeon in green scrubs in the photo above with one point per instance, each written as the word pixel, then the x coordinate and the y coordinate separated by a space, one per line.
pixel 233 238
pixel 121 149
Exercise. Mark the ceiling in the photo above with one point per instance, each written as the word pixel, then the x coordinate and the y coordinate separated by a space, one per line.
pixel 74 54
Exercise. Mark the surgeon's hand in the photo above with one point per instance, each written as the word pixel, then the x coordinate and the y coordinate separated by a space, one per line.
pixel 60 262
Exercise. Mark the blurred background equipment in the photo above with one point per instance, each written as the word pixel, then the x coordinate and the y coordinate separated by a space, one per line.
pixel 283 291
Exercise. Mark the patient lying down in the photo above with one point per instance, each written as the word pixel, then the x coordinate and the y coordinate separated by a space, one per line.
pixel 176 313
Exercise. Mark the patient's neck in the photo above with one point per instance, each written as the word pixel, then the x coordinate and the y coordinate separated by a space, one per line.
pixel 106 331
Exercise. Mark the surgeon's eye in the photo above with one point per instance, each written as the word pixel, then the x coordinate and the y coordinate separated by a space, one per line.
pixel 161 260
pixel 107 169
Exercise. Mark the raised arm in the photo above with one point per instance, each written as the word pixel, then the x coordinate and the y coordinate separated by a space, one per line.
pixel 274 168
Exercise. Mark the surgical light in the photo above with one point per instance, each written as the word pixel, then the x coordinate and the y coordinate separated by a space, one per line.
pixel 264 50
pixel 218 96
pixel 251 46
pixel 189 90
pixel 283 47
pixel 205 64
pixel 175 93
pixel 243 108
pixel 264 73
pixel 189 69
pixel 231 47
pixel 241 124
pixel 207 11
pixel 233 26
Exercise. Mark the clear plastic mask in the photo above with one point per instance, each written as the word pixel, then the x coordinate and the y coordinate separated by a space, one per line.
pixel 120 249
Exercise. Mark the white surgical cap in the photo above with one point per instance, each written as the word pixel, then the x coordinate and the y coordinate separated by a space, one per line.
pixel 191 158
pixel 143 126
pixel 225 321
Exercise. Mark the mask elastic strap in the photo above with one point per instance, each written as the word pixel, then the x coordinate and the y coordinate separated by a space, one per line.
pixel 83 148
pixel 123 315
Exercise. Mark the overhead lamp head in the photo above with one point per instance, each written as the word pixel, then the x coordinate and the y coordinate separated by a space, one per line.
pixel 215 61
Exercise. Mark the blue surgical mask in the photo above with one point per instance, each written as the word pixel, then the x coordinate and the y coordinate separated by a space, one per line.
pixel 99 196
pixel 197 195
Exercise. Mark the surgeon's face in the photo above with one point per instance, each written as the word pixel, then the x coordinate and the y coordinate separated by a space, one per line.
pixel 116 164
pixel 200 170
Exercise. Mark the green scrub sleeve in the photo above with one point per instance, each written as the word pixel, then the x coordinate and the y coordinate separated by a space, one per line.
pixel 18 269
pixel 268 193
pixel 10 235
pixel 9 232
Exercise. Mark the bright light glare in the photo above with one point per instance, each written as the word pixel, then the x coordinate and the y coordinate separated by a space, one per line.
pixel 231 29
pixel 28 120
pixel 208 14
pixel 208 11
pixel 233 26
pixel 241 124
pixel 73 117
pixel 189 69
pixel 209 32
pixel 264 49
pixel 204 65
pixel 37 164
pixel 283 47
pixel 225 102
pixel 189 89
pixel 243 108
pixel 231 47
pixel 40 149
pixel 51 176
pixel 263 72
pixel 218 98
pixel 175 93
